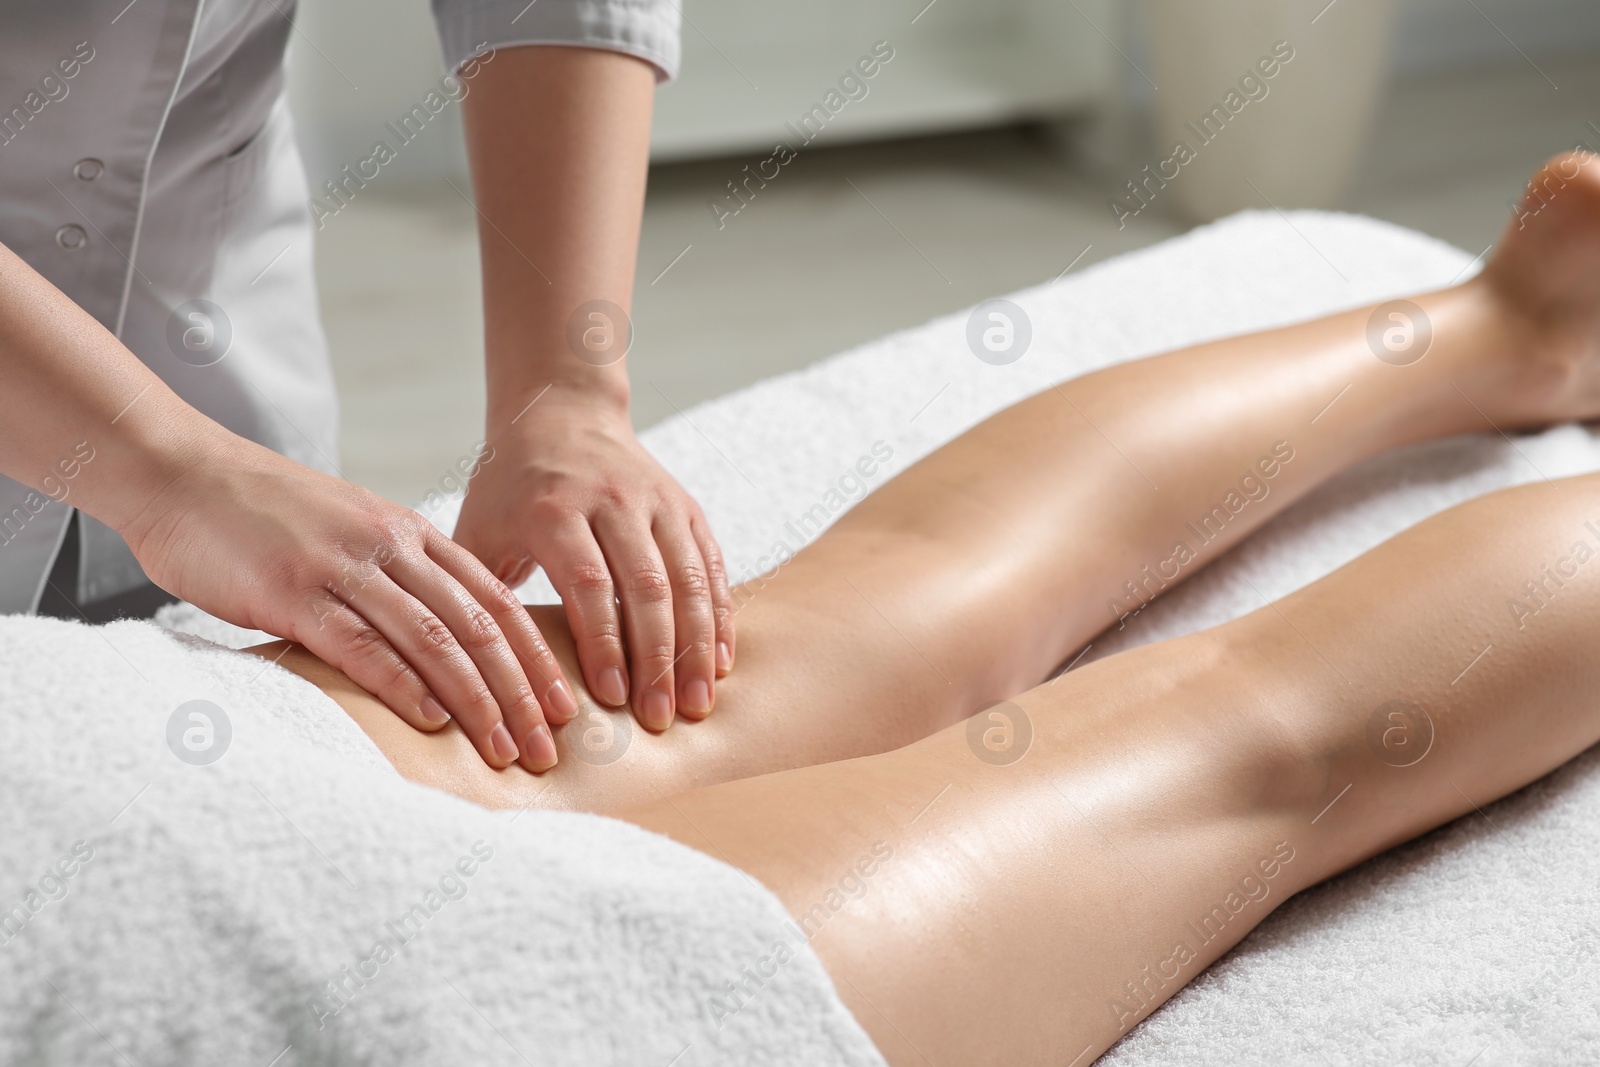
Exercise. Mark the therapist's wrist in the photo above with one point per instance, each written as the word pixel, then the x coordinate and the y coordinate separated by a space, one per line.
pixel 153 460
pixel 600 394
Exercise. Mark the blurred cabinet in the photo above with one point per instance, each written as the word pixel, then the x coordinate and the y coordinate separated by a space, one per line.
pixel 750 66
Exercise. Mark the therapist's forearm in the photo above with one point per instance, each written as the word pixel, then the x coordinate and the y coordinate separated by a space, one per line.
pixel 559 139
pixel 72 389
pixel 560 145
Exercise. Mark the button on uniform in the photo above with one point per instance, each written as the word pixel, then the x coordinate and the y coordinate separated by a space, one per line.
pixel 71 237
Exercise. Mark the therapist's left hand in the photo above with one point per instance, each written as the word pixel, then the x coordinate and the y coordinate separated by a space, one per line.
pixel 367 585
pixel 569 488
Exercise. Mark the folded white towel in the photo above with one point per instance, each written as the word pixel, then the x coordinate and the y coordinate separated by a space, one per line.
pixel 1476 939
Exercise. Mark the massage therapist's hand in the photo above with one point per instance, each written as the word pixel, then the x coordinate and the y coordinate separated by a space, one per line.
pixel 570 488
pixel 559 140
pixel 370 587
pixel 261 541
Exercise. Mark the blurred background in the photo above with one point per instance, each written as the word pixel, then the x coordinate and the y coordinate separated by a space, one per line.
pixel 1004 144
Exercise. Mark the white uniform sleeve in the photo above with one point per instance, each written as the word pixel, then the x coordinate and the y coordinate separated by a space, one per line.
pixel 644 28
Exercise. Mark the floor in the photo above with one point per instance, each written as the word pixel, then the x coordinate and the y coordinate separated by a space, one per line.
pixel 852 243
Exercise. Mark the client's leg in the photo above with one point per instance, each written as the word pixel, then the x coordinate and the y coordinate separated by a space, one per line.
pixel 1174 795
pixel 973 573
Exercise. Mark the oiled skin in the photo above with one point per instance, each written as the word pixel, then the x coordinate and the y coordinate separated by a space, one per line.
pixel 1032 911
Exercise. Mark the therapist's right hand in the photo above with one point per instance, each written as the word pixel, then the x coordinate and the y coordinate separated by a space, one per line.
pixel 367 585
pixel 264 542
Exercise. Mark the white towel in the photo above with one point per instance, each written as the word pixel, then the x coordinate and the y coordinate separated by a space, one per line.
pixel 1474 940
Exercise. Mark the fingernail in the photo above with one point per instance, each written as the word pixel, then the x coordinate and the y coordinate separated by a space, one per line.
pixel 561 702
pixel 613 687
pixel 433 711
pixel 724 656
pixel 697 696
pixel 500 741
pixel 657 710
pixel 542 747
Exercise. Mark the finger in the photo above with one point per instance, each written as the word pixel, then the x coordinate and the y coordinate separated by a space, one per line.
pixel 431 647
pixel 645 591
pixel 539 664
pixel 694 623
pixel 478 633
pixel 578 571
pixel 721 594
pixel 343 639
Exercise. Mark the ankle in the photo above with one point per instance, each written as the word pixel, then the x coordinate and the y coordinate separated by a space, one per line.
pixel 1544 359
pixel 1510 366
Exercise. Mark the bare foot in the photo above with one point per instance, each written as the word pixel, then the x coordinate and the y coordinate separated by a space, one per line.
pixel 1546 270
